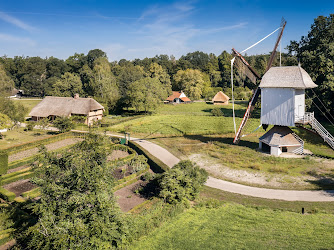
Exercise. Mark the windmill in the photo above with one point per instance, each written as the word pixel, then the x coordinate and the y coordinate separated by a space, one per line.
pixel 282 104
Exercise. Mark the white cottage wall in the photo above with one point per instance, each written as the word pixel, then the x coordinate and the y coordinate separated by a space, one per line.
pixel 278 106
pixel 299 104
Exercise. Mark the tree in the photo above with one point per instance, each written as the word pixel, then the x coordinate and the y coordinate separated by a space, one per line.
pixel 76 62
pixel 5 121
pixel 68 85
pixel 183 182
pixel 156 71
pixel 64 124
pixel 103 83
pixel 93 55
pixel 146 94
pixel 77 209
pixel 6 83
pixel 316 54
pixel 191 82
pixel 34 75
pixel 15 111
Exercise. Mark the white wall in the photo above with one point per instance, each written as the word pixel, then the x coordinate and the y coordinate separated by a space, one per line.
pixel 299 104
pixel 276 151
pixel 278 106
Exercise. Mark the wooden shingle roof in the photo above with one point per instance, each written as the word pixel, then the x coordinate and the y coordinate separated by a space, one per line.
pixel 279 136
pixel 64 106
pixel 287 77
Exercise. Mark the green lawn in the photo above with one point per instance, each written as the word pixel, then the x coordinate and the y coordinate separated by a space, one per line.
pixel 234 226
pixel 28 103
pixel 194 118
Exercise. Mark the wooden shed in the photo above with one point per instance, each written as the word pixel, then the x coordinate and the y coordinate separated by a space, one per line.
pixel 220 99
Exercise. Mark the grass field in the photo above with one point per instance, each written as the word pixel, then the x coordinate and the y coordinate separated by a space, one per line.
pixel 232 226
pixel 28 103
pixel 189 119
pixel 19 136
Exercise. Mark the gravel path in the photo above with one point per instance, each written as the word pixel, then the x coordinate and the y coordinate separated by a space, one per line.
pixel 51 146
pixel 287 195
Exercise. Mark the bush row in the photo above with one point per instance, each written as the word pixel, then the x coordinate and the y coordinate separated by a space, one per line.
pixel 129 179
pixel 22 176
pixel 6 194
pixel 19 163
pixel 3 163
pixel 29 145
pixel 33 193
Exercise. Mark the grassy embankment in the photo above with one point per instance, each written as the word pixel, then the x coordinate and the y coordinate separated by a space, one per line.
pixel 232 226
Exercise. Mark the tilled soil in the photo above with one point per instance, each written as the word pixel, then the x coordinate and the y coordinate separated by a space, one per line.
pixel 127 198
pixel 117 154
pixel 19 187
pixel 51 146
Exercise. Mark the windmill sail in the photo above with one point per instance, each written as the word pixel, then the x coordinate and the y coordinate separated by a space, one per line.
pixel 245 68
pixel 273 53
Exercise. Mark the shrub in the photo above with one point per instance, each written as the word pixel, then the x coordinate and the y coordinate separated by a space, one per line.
pixel 6 195
pixel 64 124
pixel 3 163
pixel 183 182
pixel 217 112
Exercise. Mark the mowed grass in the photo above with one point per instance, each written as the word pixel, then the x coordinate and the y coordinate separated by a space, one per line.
pixel 185 119
pixel 28 103
pixel 234 226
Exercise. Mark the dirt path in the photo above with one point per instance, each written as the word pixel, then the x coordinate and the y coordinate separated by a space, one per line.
pixel 288 195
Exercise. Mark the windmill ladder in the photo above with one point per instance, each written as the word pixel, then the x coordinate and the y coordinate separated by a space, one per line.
pixel 310 119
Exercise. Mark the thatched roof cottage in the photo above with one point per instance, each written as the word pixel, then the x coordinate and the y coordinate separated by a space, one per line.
pixel 220 99
pixel 53 106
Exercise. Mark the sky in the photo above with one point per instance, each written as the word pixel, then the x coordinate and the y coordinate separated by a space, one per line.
pixel 145 28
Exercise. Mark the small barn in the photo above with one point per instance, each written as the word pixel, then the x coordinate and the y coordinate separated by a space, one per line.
pixel 280 139
pixel 178 97
pixel 220 99
pixel 53 106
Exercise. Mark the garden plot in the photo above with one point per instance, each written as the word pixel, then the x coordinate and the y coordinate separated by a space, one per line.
pixel 19 187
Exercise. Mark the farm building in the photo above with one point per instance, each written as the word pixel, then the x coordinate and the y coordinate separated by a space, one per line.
pixel 280 139
pixel 178 97
pixel 220 99
pixel 52 106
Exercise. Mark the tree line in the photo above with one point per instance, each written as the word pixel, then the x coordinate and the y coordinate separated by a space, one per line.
pixel 140 83
pixel 143 83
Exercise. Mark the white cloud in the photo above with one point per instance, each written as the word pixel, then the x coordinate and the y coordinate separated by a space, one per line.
pixel 16 39
pixel 18 23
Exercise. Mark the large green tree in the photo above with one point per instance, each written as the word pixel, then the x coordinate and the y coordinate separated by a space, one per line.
pixel 191 82
pixel 316 54
pixel 68 85
pixel 146 94
pixel 77 209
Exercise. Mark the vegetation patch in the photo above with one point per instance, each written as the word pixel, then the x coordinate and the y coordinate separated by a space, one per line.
pixel 223 226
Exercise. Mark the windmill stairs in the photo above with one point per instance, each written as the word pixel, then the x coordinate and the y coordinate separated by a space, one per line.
pixel 318 128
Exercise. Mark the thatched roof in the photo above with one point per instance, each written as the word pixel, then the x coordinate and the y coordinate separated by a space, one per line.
pixel 279 136
pixel 287 77
pixel 220 97
pixel 64 106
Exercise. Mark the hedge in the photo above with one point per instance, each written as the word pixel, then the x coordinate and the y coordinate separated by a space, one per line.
pixel 156 165
pixel 129 179
pixel 3 163
pixel 19 163
pixel 23 176
pixel 5 235
pixel 37 143
pixel 6 194
pixel 33 193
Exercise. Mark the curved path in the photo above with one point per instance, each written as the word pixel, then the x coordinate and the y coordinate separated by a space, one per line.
pixel 288 195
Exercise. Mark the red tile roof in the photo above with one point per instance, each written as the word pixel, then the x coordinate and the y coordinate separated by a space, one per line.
pixel 185 99
pixel 176 94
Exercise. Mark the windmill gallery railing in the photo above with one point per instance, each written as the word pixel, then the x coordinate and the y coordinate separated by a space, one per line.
pixel 310 119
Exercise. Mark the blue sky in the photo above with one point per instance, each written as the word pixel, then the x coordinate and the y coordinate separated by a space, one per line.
pixel 145 28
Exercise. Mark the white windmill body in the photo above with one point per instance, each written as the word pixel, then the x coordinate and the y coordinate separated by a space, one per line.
pixel 283 105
